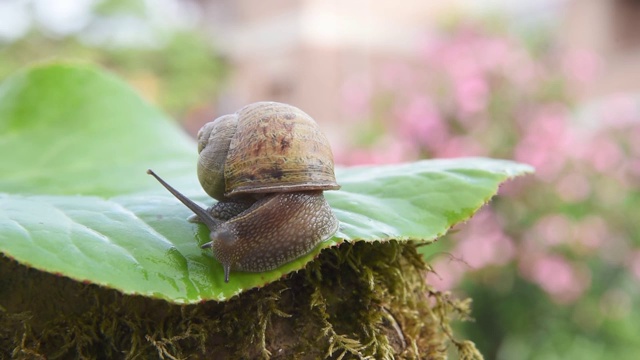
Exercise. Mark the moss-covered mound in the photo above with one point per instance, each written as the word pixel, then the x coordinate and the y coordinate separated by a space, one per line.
pixel 354 301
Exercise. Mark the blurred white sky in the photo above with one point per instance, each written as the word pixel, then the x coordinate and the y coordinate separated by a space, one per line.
pixel 65 17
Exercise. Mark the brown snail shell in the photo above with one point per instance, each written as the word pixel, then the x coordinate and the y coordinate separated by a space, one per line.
pixel 265 147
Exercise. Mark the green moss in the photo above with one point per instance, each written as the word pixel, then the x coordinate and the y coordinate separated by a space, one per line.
pixel 358 300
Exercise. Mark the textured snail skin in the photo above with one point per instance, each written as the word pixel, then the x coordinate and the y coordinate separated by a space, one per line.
pixel 225 210
pixel 275 230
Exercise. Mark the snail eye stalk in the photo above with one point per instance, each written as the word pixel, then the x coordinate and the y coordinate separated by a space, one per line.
pixel 206 218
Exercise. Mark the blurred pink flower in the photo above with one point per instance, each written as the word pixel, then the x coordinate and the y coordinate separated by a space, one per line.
pixel 620 110
pixel 466 59
pixel 448 273
pixel 547 141
pixel 634 170
pixel 581 66
pixel 454 55
pixel 393 151
pixel 459 146
pixel 564 282
pixel 605 154
pixel 483 243
pixel 615 249
pixel 574 187
pixel 483 250
pixel 634 264
pixel 470 49
pixel 592 232
pixel 356 97
pixel 522 70
pixel 419 121
pixel 553 229
pixel 471 93
pixel 634 140
pixel 493 52
pixel 515 187
pixel 397 76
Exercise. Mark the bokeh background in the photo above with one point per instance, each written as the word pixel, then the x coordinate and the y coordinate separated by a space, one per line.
pixel 553 265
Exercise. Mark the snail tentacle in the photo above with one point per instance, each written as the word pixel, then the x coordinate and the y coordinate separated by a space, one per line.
pixel 204 216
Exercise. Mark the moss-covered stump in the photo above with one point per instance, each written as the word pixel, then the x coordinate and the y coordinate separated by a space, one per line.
pixel 354 301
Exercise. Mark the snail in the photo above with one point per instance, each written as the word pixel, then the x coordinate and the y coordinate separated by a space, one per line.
pixel 267 165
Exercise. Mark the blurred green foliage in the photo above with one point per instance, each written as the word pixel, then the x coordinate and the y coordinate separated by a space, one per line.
pixel 553 268
pixel 179 70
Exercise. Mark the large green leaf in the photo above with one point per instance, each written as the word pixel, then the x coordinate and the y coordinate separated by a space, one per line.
pixel 75 200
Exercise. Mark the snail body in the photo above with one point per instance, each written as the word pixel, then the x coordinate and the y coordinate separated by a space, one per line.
pixel 267 165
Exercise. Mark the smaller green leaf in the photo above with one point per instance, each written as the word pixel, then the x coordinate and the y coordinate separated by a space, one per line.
pixel 416 201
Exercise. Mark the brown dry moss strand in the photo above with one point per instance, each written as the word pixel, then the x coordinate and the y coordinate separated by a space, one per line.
pixel 357 301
